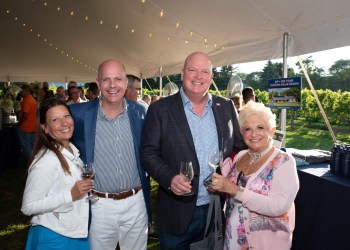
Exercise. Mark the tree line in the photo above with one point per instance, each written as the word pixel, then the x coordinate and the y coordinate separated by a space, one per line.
pixel 338 77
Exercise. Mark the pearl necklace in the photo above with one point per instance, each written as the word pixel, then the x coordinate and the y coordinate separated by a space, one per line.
pixel 256 156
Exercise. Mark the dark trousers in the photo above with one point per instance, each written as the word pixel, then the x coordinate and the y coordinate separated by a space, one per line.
pixel 194 232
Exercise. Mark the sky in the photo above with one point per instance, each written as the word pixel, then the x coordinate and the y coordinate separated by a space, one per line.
pixel 323 59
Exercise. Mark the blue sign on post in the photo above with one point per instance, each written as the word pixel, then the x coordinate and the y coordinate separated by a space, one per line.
pixel 285 93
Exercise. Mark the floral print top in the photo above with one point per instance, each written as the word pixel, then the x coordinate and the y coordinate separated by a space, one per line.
pixel 243 218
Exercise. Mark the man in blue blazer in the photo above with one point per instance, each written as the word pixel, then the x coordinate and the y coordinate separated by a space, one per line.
pixel 187 126
pixel 108 135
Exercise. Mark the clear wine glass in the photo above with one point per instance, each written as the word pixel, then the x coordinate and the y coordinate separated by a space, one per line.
pixel 88 173
pixel 215 159
pixel 186 170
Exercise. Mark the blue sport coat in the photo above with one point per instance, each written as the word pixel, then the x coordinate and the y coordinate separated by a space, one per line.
pixel 85 117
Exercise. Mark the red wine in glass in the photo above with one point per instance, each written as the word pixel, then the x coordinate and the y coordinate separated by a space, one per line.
pixel 88 173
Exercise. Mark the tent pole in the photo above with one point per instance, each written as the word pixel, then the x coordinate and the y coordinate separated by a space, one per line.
pixel 160 81
pixel 283 115
pixel 141 85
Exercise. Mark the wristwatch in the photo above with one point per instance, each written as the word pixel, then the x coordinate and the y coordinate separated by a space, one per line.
pixel 239 193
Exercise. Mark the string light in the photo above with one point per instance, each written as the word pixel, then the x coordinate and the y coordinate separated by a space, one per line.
pixel 72 12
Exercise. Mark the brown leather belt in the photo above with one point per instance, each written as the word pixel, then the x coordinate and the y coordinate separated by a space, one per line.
pixel 118 196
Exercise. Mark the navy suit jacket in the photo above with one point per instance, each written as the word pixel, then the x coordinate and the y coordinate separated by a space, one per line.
pixel 85 117
pixel 167 140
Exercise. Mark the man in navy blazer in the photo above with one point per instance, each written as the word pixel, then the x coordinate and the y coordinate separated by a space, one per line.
pixel 108 135
pixel 187 126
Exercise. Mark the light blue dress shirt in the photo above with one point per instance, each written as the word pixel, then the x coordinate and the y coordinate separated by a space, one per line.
pixel 205 138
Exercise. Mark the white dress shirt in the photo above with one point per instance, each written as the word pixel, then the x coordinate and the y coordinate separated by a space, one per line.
pixel 47 195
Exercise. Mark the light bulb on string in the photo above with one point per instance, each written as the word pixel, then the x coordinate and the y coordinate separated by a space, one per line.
pixel 161 13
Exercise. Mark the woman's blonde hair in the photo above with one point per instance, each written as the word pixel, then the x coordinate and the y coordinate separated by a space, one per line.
pixel 259 109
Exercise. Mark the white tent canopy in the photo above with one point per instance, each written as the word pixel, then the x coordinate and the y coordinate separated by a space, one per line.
pixel 62 40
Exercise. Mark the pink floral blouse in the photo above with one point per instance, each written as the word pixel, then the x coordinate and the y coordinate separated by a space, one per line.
pixel 264 217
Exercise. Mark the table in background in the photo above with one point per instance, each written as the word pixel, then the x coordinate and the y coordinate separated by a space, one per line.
pixel 322 210
pixel 10 148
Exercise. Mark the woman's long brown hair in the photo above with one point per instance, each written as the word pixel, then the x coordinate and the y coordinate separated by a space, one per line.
pixel 45 141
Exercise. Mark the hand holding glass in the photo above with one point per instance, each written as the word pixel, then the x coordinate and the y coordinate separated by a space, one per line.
pixel 186 170
pixel 88 173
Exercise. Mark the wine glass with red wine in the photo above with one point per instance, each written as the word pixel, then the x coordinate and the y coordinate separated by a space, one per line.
pixel 88 173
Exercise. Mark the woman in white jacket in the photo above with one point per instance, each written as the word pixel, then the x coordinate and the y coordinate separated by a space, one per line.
pixel 55 192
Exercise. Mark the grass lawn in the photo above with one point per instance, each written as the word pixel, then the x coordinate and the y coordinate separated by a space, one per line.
pixel 14 225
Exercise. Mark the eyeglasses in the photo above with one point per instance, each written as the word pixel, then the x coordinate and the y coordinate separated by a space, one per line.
pixel 241 181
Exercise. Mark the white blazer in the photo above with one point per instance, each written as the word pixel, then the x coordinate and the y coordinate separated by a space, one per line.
pixel 47 195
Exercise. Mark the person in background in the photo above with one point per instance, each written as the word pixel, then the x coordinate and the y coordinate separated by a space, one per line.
pixel 146 99
pixel 248 95
pixel 82 94
pixel 74 96
pixel 108 134
pixel 154 98
pixel 71 84
pixel 92 92
pixel 61 94
pixel 187 126
pixel 27 121
pixel 48 93
pixel 133 92
pixel 55 193
pixel 237 100
pixel 261 186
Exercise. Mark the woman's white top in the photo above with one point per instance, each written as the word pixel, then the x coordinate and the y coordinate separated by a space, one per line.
pixel 47 195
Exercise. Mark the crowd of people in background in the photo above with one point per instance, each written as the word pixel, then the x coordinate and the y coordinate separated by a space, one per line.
pixel 127 138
